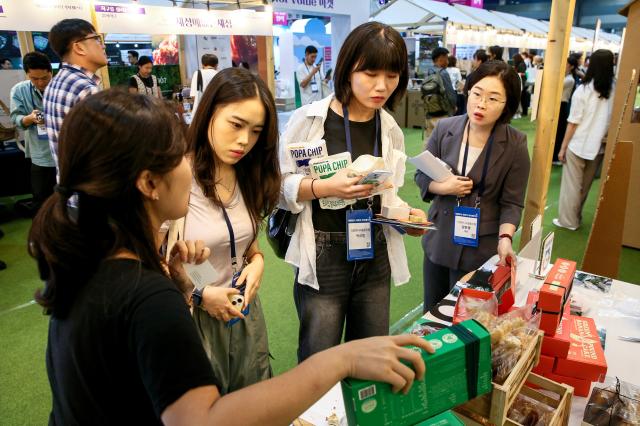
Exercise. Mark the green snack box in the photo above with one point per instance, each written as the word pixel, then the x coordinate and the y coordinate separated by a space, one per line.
pixel 445 419
pixel 444 385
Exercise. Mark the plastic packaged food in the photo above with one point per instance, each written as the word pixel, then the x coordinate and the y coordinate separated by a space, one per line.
pixel 617 403
pixel 529 412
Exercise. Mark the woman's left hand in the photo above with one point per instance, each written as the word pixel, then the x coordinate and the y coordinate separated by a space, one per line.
pixel 417 232
pixel 505 250
pixel 252 276
pixel 186 252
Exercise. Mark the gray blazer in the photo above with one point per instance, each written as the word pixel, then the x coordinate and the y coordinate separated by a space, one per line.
pixel 502 202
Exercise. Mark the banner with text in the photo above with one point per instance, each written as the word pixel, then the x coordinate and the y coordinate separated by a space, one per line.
pixel 40 15
pixel 142 19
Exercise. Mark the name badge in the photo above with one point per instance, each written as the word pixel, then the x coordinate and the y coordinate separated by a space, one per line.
pixel 314 87
pixel 42 131
pixel 359 235
pixel 465 226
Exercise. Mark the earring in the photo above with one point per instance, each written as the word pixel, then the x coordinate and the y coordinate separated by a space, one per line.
pixel 155 197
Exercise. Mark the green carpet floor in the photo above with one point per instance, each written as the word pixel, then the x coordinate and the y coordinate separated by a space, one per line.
pixel 24 390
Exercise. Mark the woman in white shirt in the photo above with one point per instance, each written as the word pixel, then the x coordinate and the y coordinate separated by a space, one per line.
pixel 331 288
pixel 233 147
pixel 582 147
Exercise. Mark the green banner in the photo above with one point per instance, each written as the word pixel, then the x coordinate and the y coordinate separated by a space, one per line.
pixel 168 77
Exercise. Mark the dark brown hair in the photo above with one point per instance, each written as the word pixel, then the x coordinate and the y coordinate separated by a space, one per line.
pixel 66 32
pixel 371 46
pixel 600 71
pixel 106 141
pixel 258 172
pixel 510 80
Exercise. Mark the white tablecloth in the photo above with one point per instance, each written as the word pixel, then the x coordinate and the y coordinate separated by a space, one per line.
pixel 618 312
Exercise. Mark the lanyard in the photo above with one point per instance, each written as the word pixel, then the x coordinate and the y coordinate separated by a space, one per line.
pixel 232 241
pixel 309 72
pixel 485 166
pixel 347 131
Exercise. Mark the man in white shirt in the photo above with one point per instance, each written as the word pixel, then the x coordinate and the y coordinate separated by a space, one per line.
pixel 203 77
pixel 309 77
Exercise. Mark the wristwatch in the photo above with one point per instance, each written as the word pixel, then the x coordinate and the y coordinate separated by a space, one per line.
pixel 196 297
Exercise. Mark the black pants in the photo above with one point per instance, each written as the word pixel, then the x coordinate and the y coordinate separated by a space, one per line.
pixel 43 179
pixel 525 101
pixel 353 296
pixel 438 281
pixel 562 128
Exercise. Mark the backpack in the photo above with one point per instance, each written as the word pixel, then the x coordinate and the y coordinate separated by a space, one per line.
pixel 434 95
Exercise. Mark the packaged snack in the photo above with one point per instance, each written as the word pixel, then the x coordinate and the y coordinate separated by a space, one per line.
pixel 616 403
pixel 529 412
pixel 558 345
pixel 554 294
pixel 585 359
pixel 472 302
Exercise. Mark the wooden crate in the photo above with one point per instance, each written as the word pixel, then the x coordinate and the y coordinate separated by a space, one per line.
pixel 491 408
pixel 561 404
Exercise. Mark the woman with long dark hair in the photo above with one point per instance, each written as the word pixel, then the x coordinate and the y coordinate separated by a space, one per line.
pixel 583 145
pixel 122 347
pixel 233 149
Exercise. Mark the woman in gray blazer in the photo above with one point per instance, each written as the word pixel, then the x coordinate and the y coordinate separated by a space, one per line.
pixel 478 209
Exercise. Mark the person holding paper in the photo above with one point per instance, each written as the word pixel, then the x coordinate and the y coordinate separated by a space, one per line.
pixel 343 262
pixel 121 340
pixel 232 144
pixel 478 208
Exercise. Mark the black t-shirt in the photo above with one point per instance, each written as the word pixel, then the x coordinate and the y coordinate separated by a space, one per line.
pixel 127 350
pixel 363 136
pixel 148 81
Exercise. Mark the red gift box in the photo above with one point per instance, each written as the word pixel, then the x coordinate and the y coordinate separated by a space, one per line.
pixel 585 359
pixel 558 345
pixel 580 387
pixel 503 282
pixel 554 295
pixel 545 365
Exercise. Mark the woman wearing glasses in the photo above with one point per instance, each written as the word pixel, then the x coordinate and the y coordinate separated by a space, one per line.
pixel 478 208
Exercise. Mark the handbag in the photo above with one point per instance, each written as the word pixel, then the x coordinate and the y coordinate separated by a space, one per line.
pixel 280 227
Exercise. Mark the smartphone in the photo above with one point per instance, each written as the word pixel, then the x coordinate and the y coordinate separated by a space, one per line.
pixel 320 61
pixel 375 178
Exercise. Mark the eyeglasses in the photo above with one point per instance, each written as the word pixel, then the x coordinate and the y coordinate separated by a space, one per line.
pixel 492 100
pixel 96 37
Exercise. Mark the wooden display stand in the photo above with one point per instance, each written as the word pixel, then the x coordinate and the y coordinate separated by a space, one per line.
pixel 629 131
pixel 555 63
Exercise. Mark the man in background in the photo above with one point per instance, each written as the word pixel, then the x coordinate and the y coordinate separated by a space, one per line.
pixel 82 52
pixel 133 57
pixel 438 94
pixel 26 113
pixel 203 77
pixel 309 76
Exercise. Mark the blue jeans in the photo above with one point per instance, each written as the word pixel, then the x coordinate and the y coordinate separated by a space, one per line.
pixel 357 293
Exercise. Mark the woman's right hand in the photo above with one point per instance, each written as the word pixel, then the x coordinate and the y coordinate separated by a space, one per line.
pixel 457 185
pixel 215 300
pixel 342 186
pixel 378 358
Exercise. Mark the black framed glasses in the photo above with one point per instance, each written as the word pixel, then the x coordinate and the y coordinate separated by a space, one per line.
pixel 96 37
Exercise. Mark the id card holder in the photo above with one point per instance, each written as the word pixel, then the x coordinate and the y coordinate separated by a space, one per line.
pixel 238 299
pixel 42 132
pixel 314 87
pixel 465 226
pixel 359 235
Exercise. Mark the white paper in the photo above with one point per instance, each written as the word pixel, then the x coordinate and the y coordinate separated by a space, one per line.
pixel 201 275
pixel 432 166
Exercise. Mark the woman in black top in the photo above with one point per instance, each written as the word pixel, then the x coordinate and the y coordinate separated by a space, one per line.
pixel 144 82
pixel 122 347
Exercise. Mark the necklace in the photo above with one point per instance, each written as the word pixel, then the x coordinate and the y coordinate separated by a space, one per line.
pixel 229 190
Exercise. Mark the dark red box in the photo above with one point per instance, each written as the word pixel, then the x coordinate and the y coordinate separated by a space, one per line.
pixel 503 282
pixel 580 387
pixel 545 365
pixel 585 359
